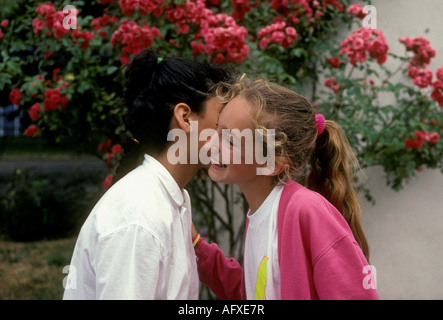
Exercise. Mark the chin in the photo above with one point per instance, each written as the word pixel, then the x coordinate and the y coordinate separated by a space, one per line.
pixel 214 176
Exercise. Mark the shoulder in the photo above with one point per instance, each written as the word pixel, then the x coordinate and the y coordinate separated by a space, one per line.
pixel 310 215
pixel 299 202
pixel 137 199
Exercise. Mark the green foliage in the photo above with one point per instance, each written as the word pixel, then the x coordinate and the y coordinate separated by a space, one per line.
pixel 37 206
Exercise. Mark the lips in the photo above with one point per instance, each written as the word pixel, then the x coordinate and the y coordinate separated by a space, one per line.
pixel 218 166
pixel 215 163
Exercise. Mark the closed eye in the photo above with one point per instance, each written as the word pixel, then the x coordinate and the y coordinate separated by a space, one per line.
pixel 230 139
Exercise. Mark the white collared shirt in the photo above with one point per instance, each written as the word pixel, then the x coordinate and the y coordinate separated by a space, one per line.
pixel 136 242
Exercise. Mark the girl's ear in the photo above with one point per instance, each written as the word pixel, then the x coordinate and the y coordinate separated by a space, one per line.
pixel 182 117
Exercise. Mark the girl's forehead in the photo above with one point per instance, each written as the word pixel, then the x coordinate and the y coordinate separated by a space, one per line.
pixel 236 114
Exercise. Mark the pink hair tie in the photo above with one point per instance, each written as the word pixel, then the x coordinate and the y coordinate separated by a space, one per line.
pixel 320 122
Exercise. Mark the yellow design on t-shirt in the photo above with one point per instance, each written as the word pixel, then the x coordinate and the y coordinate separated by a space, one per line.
pixel 262 275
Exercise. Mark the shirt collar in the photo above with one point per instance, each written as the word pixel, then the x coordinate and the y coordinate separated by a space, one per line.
pixel 166 179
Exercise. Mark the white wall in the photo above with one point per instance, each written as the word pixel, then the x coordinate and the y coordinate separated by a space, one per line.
pixel 405 233
pixel 405 228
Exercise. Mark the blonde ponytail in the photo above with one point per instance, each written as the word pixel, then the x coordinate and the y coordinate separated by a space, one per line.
pixel 333 164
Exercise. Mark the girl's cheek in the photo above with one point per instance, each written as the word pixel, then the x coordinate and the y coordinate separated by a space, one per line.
pixel 225 153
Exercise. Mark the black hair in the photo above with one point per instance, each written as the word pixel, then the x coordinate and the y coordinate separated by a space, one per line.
pixel 153 87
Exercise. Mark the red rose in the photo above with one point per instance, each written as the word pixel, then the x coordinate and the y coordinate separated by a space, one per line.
pixel 332 83
pixel 277 36
pixel 31 131
pixel 53 99
pixel 108 181
pixel 34 110
pixel 421 136
pixel 334 62
pixel 108 161
pixel 357 11
pixel 48 54
pixel 105 146
pixel 437 93
pixel 291 32
pixel 439 73
pixel 379 50
pixel 421 78
pixel 413 144
pixel 365 40
pixel 277 33
pixel 432 137
pixel 38 25
pixel 116 149
pixel 133 38
pixel 423 52
pixel 15 96
pixel 45 9
pixel 86 36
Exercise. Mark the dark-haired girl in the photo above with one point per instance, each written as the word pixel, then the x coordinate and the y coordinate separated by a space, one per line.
pixel 136 242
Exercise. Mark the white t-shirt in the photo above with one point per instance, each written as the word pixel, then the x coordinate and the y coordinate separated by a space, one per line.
pixel 262 272
pixel 136 242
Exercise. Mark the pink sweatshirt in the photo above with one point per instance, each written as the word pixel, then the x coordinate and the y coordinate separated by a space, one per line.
pixel 318 255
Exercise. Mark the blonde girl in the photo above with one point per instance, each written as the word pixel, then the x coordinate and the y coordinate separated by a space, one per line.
pixel 302 242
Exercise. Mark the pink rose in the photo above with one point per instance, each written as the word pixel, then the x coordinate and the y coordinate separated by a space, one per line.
pixel 356 10
pixel 439 73
pixel 432 137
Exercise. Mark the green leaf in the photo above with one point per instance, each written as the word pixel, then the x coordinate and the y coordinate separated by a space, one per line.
pixel 111 70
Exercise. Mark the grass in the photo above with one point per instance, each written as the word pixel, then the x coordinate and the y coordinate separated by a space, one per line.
pixel 34 270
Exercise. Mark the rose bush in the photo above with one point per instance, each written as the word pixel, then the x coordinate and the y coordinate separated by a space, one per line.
pixel 390 135
pixel 68 82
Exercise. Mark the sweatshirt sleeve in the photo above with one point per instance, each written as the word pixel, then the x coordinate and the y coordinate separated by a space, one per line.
pixel 341 273
pixel 224 276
